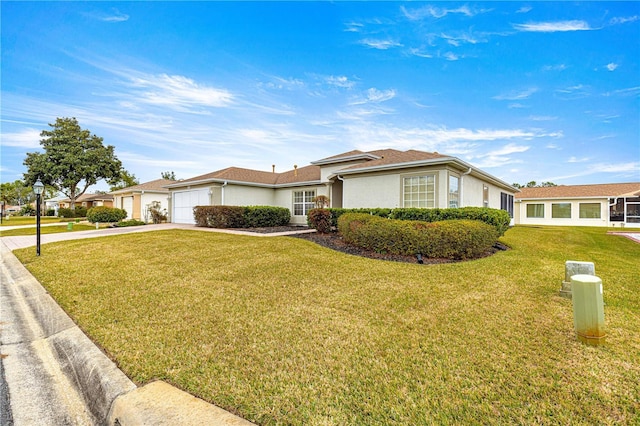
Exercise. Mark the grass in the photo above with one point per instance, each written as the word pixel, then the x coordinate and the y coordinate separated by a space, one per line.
pixel 49 229
pixel 31 220
pixel 281 331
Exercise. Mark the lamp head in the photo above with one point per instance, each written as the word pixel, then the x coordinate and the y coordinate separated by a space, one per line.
pixel 38 187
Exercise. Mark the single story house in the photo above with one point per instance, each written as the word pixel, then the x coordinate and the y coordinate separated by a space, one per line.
pixel 381 178
pixel 53 204
pixel 138 199
pixel 611 204
pixel 88 200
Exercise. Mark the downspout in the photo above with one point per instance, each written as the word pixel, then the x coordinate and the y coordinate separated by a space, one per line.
pixel 222 192
pixel 462 186
pixel 624 213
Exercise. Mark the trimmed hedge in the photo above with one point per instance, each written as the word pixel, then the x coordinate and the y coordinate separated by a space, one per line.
pixel 263 216
pixel 105 214
pixel 450 239
pixel 241 216
pixel 499 219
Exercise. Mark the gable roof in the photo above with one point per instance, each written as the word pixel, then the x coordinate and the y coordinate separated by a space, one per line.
pixel 604 190
pixel 384 159
pixel 90 197
pixel 157 185
pixel 238 174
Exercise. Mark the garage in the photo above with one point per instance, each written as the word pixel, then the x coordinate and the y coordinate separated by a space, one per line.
pixel 184 202
pixel 127 205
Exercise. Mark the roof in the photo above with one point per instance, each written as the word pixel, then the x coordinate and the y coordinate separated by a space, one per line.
pixel 157 185
pixel 384 159
pixel 391 156
pixel 91 197
pixel 604 190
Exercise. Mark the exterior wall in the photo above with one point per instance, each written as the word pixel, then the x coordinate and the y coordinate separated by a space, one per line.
pixel 575 220
pixel 236 195
pixel 382 190
pixel 147 198
pixel 328 170
pixel 473 193
pixel 284 198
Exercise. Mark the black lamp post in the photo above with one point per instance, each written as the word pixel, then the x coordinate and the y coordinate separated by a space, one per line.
pixel 38 188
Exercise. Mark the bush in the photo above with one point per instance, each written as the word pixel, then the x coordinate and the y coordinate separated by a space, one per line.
pixel 320 220
pixel 241 216
pixel 50 212
pixel 219 216
pixel 81 211
pixel 130 222
pixel 451 239
pixel 66 213
pixel 27 210
pixel 499 219
pixel 264 216
pixel 105 214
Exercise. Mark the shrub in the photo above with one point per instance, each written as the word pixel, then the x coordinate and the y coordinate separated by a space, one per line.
pixel 499 219
pixel 66 213
pixel 50 212
pixel 105 214
pixel 263 216
pixel 157 215
pixel 320 220
pixel 451 239
pixel 81 211
pixel 130 222
pixel 219 216
pixel 27 210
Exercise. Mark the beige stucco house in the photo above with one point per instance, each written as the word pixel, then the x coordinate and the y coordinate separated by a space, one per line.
pixel 87 201
pixel 613 204
pixel 382 178
pixel 136 200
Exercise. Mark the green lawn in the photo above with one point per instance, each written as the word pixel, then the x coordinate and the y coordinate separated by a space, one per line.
pixel 31 220
pixel 281 331
pixel 49 229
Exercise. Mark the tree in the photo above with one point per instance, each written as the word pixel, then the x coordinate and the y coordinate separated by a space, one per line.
pixel 168 175
pixel 16 193
pixel 534 184
pixel 126 180
pixel 72 161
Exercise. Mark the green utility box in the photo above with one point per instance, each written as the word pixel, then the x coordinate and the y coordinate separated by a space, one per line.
pixel 70 226
pixel 588 309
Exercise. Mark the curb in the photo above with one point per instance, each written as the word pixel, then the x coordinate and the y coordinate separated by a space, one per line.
pixel 61 377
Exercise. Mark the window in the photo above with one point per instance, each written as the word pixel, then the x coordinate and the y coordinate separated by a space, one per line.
pixel 303 202
pixel 506 203
pixel 561 210
pixel 420 191
pixel 535 210
pixel 590 210
pixel 454 191
pixel 485 196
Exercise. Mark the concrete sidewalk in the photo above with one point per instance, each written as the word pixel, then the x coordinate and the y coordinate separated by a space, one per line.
pixel 55 375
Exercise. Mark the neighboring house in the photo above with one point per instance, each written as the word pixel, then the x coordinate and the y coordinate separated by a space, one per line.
pixel 382 178
pixel 88 200
pixel 613 204
pixel 136 200
pixel 53 204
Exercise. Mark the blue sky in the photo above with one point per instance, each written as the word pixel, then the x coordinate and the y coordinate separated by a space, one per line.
pixel 544 91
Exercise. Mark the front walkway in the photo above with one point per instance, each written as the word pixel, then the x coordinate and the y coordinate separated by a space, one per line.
pixel 23 241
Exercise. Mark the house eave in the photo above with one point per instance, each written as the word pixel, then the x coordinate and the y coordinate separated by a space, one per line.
pixel 346 159
pixel 242 183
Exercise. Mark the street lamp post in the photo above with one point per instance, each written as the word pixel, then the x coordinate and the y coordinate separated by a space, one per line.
pixel 38 188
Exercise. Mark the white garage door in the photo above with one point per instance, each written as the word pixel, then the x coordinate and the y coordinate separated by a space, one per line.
pixel 185 201
pixel 127 205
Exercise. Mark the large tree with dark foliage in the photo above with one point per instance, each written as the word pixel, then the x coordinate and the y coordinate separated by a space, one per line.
pixel 72 161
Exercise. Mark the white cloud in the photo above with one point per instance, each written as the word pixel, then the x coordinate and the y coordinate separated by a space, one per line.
pixel 450 56
pixel 353 27
pixel 114 16
pixel 542 118
pixel 437 12
pixel 612 66
pixel 179 91
pixel 380 44
pixel 624 20
pixel 26 138
pixel 516 95
pixel 551 27
pixel 525 9
pixel 508 149
pixel 628 170
pixel 559 67
pixel 573 159
pixel 374 95
pixel 340 81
